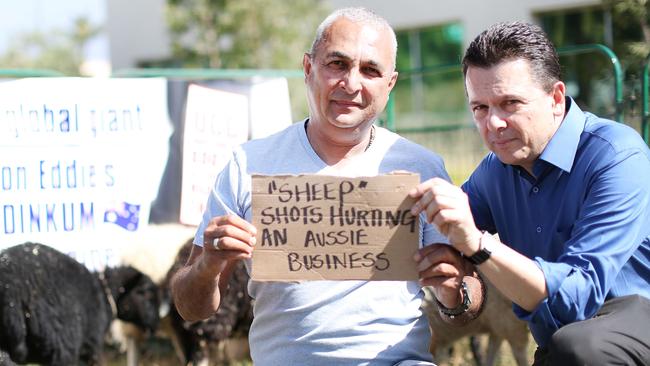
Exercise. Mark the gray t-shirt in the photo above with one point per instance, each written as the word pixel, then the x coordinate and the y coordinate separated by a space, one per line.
pixel 329 322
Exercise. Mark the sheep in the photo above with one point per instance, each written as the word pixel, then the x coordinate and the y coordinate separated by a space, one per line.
pixel 193 340
pixel 152 251
pixel 497 320
pixel 54 311
pixel 154 248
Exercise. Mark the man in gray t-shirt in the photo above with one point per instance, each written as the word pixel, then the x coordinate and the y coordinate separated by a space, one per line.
pixel 349 73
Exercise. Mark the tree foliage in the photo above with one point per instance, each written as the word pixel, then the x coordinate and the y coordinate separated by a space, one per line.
pixel 632 21
pixel 242 34
pixel 53 50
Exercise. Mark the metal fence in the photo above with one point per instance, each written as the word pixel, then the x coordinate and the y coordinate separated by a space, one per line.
pixel 450 132
pixel 645 103
pixel 25 73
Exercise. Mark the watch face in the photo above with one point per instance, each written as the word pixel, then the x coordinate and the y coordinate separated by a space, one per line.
pixel 460 309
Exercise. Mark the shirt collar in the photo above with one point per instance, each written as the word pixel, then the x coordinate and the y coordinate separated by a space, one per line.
pixel 562 148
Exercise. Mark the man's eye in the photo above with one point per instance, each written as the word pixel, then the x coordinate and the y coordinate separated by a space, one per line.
pixel 511 105
pixel 479 111
pixel 336 64
pixel 371 71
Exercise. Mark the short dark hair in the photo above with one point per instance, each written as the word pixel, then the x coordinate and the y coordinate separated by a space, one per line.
pixel 515 40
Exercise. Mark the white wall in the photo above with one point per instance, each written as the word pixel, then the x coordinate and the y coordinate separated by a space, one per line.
pixel 137 31
pixel 474 15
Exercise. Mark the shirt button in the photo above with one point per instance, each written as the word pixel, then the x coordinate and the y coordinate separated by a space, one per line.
pixel 539 229
pixel 535 189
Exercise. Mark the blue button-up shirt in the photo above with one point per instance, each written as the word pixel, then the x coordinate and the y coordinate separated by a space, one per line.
pixel 584 217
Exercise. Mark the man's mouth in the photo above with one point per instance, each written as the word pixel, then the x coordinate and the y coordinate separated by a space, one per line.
pixel 502 142
pixel 347 103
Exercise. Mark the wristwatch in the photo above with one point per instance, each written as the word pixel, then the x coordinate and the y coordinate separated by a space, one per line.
pixel 460 309
pixel 483 252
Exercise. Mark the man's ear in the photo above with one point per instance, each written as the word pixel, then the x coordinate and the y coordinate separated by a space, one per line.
pixel 559 102
pixel 392 81
pixel 306 64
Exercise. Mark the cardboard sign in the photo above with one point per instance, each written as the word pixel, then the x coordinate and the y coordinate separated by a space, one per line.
pixel 315 227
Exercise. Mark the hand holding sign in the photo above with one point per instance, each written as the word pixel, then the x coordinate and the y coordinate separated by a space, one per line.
pixel 226 238
pixel 447 206
pixel 313 227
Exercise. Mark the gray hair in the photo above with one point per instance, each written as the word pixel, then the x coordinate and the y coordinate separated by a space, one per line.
pixel 355 14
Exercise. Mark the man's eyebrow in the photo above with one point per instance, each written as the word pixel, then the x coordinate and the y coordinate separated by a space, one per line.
pixel 341 55
pixel 502 97
pixel 373 63
pixel 338 54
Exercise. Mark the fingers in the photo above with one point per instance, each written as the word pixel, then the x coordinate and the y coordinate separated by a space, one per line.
pixel 236 221
pixel 230 235
pixel 423 193
pixel 438 264
pixel 435 195
pixel 435 254
pixel 447 207
pixel 423 187
pixel 441 267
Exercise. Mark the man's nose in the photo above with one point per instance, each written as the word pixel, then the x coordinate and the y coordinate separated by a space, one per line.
pixel 495 122
pixel 351 80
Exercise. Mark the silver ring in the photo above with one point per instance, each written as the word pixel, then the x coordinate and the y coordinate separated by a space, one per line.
pixel 215 243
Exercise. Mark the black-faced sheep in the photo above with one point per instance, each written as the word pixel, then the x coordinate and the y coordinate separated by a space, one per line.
pixel 194 340
pixel 497 320
pixel 54 311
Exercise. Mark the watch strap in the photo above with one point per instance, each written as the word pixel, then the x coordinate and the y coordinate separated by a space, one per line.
pixel 482 254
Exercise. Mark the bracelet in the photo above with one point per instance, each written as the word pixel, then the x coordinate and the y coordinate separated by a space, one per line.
pixel 460 309
pixel 484 295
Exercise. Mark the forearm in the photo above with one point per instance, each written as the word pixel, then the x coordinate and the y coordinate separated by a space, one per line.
pixel 195 291
pixel 519 278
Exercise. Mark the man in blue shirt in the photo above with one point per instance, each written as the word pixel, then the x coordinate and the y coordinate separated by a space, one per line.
pixel 568 194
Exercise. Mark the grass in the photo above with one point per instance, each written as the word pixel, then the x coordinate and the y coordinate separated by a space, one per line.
pixel 159 352
pixel 462 355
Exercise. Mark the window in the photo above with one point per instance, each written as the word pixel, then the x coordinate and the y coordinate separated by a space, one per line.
pixel 430 89
pixel 588 74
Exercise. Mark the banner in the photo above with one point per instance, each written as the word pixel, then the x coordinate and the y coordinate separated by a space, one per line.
pixel 215 122
pixel 217 119
pixel 80 160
